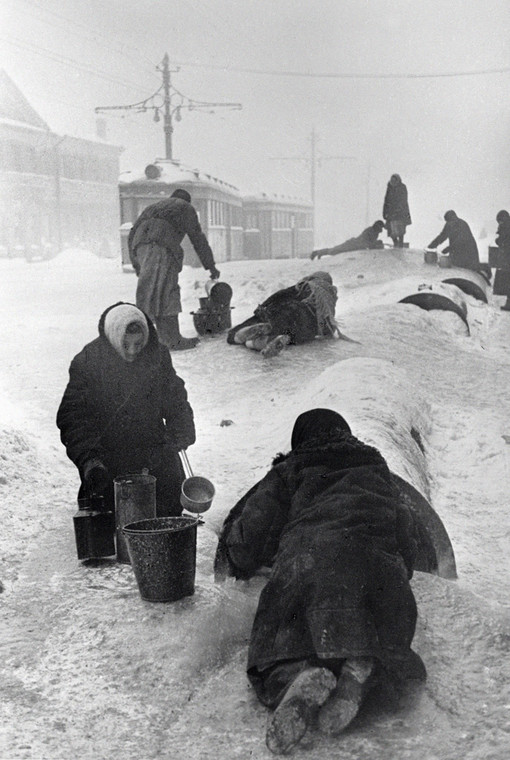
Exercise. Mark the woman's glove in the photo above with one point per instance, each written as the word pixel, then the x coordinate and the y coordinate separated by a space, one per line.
pixel 95 476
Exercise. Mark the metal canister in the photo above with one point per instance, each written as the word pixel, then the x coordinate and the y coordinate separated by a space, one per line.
pixel 135 499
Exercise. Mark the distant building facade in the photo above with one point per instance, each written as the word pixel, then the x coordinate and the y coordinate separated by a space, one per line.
pixel 55 191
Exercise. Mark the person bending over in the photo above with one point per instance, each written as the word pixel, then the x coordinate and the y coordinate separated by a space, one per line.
pixel 125 409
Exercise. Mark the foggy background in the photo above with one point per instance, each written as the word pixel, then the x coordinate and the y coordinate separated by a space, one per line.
pixel 357 72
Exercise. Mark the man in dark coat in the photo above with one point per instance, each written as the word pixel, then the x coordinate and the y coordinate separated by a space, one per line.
pixel 125 409
pixel 396 210
pixel 367 240
pixel 156 254
pixel 462 247
pixel 338 610
pixel 502 276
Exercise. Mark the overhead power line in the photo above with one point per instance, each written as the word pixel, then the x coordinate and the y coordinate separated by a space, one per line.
pixel 342 75
pixel 50 55
pixel 169 101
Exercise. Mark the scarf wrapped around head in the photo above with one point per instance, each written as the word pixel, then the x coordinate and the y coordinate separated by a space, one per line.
pixel 116 322
pixel 322 299
pixel 317 422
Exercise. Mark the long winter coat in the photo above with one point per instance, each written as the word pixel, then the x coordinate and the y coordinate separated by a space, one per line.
pixel 462 246
pixel 503 234
pixel 326 518
pixel 396 206
pixel 130 416
pixel 156 253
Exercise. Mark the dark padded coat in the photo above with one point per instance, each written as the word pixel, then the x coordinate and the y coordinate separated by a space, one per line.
pixel 328 521
pixel 396 206
pixel 130 416
pixel 288 315
pixel 462 246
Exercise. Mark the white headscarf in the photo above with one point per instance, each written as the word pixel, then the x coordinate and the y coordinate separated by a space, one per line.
pixel 116 322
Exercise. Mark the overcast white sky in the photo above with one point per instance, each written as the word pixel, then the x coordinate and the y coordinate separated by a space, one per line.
pixel 448 137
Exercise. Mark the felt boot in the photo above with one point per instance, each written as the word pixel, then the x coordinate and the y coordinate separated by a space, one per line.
pixel 288 724
pixel 252 331
pixel 169 334
pixel 343 706
pixel 275 346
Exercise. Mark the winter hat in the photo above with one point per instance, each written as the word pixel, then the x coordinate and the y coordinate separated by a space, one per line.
pixel 317 422
pixel 182 194
pixel 117 321
pixel 378 225
pixel 501 216
pixel 450 216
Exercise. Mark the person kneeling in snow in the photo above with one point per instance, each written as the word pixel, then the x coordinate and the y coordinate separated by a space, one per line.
pixel 366 241
pixel 292 315
pixel 125 409
pixel 337 615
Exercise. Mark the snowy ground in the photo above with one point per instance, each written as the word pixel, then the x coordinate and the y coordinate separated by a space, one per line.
pixel 91 671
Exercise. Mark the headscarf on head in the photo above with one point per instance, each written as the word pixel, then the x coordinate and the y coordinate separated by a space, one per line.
pixel 395 179
pixel 502 215
pixel 116 322
pixel 322 299
pixel 317 422
pixel 182 194
pixel 450 216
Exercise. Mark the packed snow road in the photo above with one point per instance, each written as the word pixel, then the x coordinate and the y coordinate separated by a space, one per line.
pixel 90 670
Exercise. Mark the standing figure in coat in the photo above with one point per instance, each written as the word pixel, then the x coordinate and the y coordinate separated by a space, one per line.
pixel 502 276
pixel 156 254
pixel 125 409
pixel 367 240
pixel 462 247
pixel 396 210
pixel 337 614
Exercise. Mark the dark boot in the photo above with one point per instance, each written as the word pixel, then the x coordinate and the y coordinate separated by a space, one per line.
pixel 506 305
pixel 169 334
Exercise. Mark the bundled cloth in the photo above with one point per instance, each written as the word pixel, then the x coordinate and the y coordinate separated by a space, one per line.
pixel 317 291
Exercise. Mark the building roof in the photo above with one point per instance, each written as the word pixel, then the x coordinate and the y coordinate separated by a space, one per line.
pixel 167 171
pixel 15 107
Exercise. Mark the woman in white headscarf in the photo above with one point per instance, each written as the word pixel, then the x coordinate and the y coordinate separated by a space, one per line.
pixel 125 409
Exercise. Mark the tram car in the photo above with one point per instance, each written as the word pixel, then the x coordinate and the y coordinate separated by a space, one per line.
pixel 252 227
pixel 276 227
pixel 218 204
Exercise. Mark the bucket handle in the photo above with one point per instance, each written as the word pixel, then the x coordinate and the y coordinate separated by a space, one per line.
pixel 185 463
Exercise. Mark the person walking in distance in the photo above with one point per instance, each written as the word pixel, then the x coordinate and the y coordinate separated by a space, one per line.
pixel 396 210
pixel 156 254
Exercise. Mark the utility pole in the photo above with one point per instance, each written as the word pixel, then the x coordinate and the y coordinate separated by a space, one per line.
pixel 171 102
pixel 313 161
pixel 167 114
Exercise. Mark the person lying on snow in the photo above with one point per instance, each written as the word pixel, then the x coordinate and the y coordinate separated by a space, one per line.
pixel 337 615
pixel 125 409
pixel 367 240
pixel 293 315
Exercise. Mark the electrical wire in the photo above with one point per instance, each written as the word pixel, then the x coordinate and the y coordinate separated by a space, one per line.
pixel 126 50
pixel 339 75
pixel 45 53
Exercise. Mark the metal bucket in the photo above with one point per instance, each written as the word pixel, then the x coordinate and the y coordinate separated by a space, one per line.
pixel 135 499
pixel 197 493
pixel 220 293
pixel 444 262
pixel 163 556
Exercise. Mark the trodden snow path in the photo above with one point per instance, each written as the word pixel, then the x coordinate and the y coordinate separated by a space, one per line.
pixel 89 669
